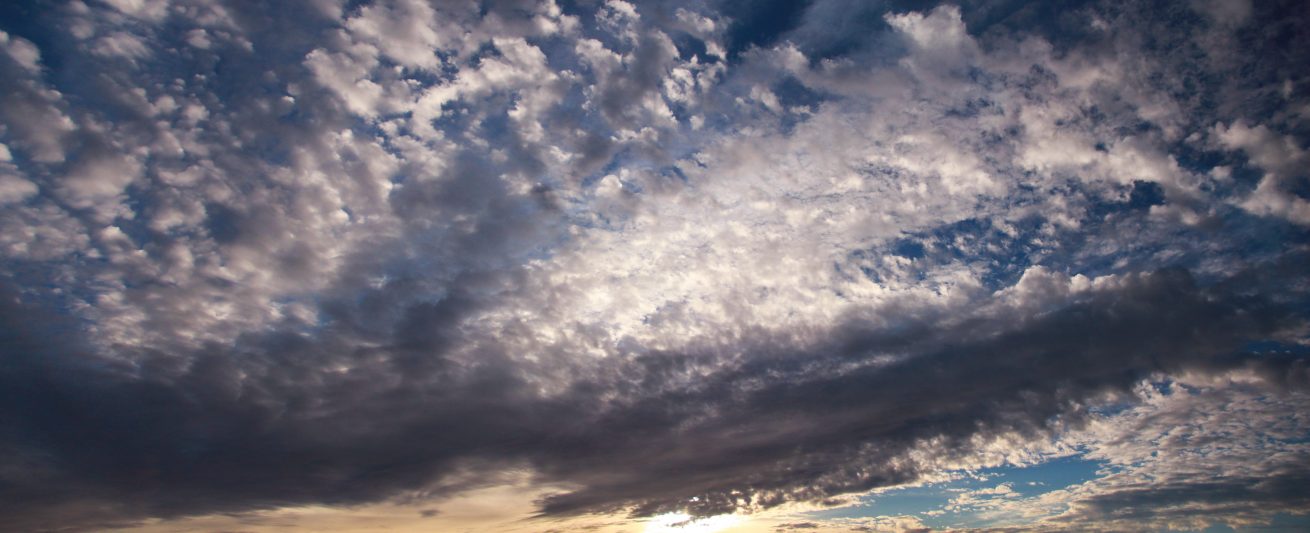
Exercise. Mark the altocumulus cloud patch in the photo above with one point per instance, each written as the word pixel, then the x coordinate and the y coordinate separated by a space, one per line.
pixel 712 266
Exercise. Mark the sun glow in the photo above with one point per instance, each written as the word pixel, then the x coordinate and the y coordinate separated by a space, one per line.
pixel 685 523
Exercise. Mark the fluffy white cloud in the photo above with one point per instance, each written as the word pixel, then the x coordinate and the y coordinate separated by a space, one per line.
pixel 1280 158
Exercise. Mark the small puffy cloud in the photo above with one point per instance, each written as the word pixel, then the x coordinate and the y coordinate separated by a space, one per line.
pixel 1281 159
pixel 121 44
pixel 152 10
pixel 14 187
pixel 21 51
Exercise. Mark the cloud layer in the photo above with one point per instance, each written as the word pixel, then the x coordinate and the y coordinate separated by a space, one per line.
pixel 693 259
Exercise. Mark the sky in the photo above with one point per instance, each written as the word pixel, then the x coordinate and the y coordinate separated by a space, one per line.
pixel 612 265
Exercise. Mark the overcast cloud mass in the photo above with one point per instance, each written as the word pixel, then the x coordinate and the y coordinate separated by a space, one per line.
pixel 519 265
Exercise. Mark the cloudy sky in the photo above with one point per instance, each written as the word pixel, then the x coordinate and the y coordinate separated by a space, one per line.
pixel 611 265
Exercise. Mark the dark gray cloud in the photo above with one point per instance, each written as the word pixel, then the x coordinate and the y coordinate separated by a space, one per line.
pixel 790 426
pixel 270 423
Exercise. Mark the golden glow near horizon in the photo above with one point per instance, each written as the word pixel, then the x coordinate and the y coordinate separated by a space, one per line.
pixel 502 508
pixel 682 522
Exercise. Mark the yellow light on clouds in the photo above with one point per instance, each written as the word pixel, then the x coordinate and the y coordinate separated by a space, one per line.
pixel 685 523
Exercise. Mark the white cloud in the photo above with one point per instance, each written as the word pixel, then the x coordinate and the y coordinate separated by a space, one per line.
pixel 1280 158
pixel 22 51
pixel 153 10
pixel 121 44
pixel 14 189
